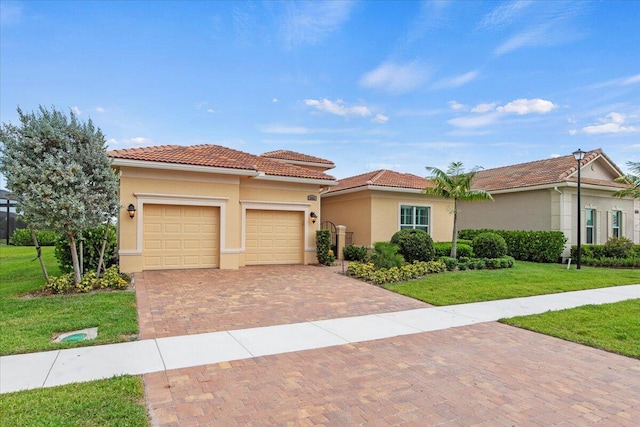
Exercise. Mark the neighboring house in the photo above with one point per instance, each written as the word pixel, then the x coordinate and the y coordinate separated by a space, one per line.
pixel 208 206
pixel 377 204
pixel 542 195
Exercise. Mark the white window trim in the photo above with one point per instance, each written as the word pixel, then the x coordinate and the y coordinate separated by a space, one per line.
pixel 593 227
pixel 181 200
pixel 276 206
pixel 620 215
pixel 414 204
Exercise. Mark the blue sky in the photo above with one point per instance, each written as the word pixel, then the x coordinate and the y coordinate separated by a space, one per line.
pixel 369 85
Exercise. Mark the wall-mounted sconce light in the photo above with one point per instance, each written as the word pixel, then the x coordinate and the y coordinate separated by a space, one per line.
pixel 132 210
pixel 313 217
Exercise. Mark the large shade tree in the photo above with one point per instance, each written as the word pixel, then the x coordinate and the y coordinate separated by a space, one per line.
pixel 59 172
pixel 633 179
pixel 454 184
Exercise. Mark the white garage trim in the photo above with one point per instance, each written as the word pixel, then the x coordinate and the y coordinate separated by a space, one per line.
pixel 175 199
pixel 276 206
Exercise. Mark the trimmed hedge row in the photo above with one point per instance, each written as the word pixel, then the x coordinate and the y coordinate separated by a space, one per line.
pixel 535 246
pixel 367 271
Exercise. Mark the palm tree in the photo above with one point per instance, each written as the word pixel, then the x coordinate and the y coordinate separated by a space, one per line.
pixel 634 180
pixel 455 184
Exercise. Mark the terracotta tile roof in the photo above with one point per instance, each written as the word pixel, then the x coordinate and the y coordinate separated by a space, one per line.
pixel 216 156
pixel 541 172
pixel 298 157
pixel 381 178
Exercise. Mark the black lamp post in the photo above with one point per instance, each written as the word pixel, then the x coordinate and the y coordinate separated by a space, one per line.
pixel 579 155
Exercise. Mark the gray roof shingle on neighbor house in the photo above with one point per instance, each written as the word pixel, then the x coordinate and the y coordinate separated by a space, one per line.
pixel 216 156
pixel 542 172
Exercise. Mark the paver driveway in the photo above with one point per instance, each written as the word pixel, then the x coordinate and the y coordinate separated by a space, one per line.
pixel 485 374
pixel 188 302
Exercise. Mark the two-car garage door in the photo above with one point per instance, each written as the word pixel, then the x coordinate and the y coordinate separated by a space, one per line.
pixel 176 236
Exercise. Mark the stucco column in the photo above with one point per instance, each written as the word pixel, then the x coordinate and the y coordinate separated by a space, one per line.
pixel 341 231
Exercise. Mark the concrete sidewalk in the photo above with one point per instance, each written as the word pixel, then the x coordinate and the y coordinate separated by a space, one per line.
pixel 48 369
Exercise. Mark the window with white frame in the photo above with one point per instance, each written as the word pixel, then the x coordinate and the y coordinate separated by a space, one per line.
pixel 414 217
pixel 616 223
pixel 590 222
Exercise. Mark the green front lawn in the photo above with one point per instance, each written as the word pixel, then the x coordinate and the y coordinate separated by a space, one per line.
pixel 118 401
pixel 27 323
pixel 524 279
pixel 20 271
pixel 611 327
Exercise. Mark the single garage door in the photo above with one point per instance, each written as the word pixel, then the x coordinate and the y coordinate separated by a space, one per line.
pixel 180 237
pixel 274 237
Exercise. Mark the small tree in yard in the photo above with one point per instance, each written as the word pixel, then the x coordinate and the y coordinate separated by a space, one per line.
pixel 455 184
pixel 59 173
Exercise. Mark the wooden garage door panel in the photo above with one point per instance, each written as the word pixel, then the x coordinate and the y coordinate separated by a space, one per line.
pixel 180 237
pixel 274 237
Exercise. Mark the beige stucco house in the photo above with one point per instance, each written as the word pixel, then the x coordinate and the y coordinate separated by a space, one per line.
pixel 375 205
pixel 208 206
pixel 542 195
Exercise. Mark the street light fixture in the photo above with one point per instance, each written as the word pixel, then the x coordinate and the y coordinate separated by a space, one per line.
pixel 579 155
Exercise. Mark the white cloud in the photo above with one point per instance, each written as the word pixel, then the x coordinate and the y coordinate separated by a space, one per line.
pixel 457 81
pixel 380 118
pixel 76 110
pixel 474 121
pixel 612 123
pixel 310 22
pixel 484 108
pixel 338 107
pixel 287 130
pixel 504 14
pixel 111 142
pixel 631 80
pixel 535 23
pixel 396 78
pixel 100 110
pixel 138 141
pixel 528 106
pixel 487 113
pixel 456 106
pixel 211 111
pixel 274 100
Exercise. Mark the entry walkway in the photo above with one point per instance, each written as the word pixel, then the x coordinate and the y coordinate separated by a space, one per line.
pixel 52 368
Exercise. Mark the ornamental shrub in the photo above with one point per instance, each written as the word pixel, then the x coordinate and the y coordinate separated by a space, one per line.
pixel 451 263
pixel 92 244
pixel 355 253
pixel 443 249
pixel 111 279
pixel 414 245
pixel 619 247
pixel 22 237
pixel 385 255
pixel 535 246
pixel 489 245
pixel 324 253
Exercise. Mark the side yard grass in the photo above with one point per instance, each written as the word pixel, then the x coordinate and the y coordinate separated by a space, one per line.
pixel 611 327
pixel 118 401
pixel 524 279
pixel 28 323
